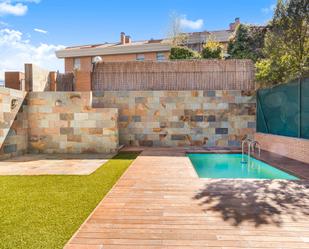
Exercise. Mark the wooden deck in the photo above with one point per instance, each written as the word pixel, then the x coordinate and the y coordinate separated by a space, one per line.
pixel 161 203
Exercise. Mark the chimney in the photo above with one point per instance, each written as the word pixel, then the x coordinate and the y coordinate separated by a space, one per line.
pixel 122 38
pixel 128 39
pixel 234 25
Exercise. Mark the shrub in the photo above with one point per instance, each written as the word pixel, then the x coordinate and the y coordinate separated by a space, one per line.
pixel 212 50
pixel 182 53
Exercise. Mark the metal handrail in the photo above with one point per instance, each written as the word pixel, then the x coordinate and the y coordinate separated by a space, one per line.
pixel 244 141
pixel 254 145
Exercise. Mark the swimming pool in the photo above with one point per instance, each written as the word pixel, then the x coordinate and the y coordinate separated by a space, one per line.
pixel 231 166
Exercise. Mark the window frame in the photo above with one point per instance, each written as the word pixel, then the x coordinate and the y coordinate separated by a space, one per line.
pixel 76 66
pixel 140 59
pixel 162 55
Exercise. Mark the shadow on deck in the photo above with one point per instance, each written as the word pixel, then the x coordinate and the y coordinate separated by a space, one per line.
pixel 259 202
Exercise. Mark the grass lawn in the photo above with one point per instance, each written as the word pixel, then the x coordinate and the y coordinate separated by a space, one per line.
pixel 45 211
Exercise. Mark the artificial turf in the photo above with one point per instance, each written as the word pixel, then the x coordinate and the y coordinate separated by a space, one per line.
pixel 45 211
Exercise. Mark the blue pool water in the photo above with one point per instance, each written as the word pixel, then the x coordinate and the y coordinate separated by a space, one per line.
pixel 231 166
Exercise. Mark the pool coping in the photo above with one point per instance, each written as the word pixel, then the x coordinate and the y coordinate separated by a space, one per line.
pixel 288 165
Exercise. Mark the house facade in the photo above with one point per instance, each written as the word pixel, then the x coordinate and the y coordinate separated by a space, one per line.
pixel 82 57
pixel 196 40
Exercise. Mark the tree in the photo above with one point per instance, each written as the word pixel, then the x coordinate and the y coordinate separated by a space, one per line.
pixel 212 49
pixel 182 53
pixel 286 47
pixel 247 42
pixel 175 33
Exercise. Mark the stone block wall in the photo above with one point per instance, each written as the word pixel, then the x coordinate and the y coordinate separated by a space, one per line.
pixel 65 122
pixel 13 123
pixel 181 118
pixel 36 78
pixel 10 103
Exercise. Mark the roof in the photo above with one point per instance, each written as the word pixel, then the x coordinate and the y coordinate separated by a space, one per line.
pixel 114 48
pixel 202 37
pixel 139 46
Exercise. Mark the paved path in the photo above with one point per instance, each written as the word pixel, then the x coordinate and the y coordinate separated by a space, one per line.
pixel 161 203
pixel 53 164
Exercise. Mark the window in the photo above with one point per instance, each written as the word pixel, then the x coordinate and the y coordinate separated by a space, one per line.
pixel 140 57
pixel 76 64
pixel 160 56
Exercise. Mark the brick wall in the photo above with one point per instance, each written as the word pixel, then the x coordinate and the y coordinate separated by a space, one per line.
pixel 87 66
pixel 295 148
pixel 68 65
pixel 82 81
pixel 14 80
pixel 64 122
pixel 181 118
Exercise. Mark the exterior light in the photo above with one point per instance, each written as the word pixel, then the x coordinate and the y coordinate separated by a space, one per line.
pixel 97 59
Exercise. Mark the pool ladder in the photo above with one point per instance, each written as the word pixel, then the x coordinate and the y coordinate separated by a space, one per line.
pixel 252 145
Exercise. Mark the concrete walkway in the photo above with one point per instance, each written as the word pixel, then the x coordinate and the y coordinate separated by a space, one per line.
pixel 161 203
pixel 54 164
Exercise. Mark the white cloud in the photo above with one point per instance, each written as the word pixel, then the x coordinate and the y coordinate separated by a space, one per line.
pixel 15 7
pixel 40 31
pixel 9 8
pixel 27 1
pixel 15 50
pixel 190 24
pixel 269 9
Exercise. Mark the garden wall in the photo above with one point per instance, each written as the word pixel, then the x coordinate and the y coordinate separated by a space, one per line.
pixel 65 122
pixel 181 118
pixel 13 123
pixel 295 148
pixel 36 78
pixel 55 122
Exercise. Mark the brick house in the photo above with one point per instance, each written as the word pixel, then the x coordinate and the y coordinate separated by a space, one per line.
pixel 82 57
pixel 196 40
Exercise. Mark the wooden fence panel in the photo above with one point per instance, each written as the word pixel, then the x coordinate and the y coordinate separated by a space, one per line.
pixel 65 82
pixel 174 75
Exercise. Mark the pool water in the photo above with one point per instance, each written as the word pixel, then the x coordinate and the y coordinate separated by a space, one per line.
pixel 231 166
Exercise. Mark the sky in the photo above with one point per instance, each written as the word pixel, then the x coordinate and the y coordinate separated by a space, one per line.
pixel 31 30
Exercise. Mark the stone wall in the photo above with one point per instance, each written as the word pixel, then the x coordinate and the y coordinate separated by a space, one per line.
pixel 295 148
pixel 13 123
pixel 36 78
pixel 16 141
pixel 181 118
pixel 65 122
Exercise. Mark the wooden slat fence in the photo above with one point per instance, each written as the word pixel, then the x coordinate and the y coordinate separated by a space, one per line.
pixel 65 82
pixel 174 75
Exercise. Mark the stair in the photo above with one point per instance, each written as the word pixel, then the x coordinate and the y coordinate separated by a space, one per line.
pixel 10 102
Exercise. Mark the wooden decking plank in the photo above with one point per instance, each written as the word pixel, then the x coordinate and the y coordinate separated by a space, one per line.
pixel 161 203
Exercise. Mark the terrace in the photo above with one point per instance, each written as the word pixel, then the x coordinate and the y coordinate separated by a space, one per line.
pixel 63 152
pixel 161 203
